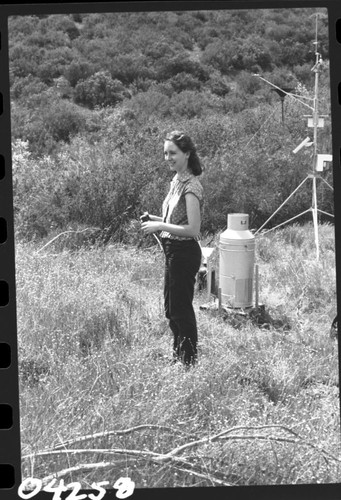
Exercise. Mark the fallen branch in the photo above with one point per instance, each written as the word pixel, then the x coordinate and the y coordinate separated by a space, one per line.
pixel 223 436
pixel 113 451
pixel 170 459
pixel 157 458
pixel 208 476
pixel 165 457
pixel 122 432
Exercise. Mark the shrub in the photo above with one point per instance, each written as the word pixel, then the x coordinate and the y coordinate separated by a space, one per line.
pixel 128 67
pixel 24 60
pixel 218 85
pixel 26 87
pixel 99 90
pixel 64 120
pixel 152 102
pixel 33 184
pixel 218 54
pixel 184 81
pixel 54 64
pixel 189 103
pixel 247 83
pixel 168 67
pixel 78 69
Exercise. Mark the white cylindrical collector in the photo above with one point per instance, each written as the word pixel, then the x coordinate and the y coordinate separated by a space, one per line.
pixel 236 262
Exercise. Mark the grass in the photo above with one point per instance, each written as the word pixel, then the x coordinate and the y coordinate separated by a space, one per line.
pixel 93 357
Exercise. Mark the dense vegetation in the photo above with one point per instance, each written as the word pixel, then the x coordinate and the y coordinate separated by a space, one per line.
pixel 92 96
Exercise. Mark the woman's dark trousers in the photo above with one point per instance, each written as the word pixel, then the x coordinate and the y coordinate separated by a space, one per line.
pixel 183 260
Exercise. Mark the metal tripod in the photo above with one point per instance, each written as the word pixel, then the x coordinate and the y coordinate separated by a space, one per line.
pixel 314 175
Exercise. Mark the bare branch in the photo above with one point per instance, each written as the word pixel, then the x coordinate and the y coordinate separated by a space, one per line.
pixel 223 435
pixel 113 451
pixel 208 476
pixel 122 432
pixel 184 463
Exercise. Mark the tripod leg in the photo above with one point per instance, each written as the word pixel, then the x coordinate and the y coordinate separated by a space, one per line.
pixel 324 180
pixel 284 202
pixel 315 220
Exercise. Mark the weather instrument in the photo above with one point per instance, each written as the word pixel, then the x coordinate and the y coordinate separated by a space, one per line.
pixel 320 161
pixel 282 93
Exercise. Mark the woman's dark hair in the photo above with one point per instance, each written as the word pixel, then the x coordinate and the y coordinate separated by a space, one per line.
pixel 185 143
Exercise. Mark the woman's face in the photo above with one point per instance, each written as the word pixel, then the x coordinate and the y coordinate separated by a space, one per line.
pixel 177 159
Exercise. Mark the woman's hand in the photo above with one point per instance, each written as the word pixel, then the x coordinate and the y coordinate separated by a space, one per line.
pixel 150 227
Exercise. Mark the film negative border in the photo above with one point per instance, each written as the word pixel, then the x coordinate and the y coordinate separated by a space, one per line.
pixel 9 405
pixel 335 96
pixel 10 475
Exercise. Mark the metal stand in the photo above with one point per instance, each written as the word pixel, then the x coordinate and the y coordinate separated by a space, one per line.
pixel 312 209
pixel 207 268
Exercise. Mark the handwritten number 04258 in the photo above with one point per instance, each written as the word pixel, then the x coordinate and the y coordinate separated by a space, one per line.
pixel 124 486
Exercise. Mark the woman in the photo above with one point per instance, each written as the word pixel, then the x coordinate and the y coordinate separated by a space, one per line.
pixel 179 229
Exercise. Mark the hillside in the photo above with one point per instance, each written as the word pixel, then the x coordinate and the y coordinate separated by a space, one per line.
pixel 93 93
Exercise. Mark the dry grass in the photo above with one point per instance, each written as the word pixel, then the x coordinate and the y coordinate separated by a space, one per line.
pixel 93 354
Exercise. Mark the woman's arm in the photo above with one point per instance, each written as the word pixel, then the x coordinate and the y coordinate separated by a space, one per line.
pixel 155 218
pixel 190 230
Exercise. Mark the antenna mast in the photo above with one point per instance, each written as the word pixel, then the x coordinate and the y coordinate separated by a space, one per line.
pixel 316 69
